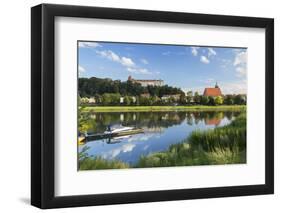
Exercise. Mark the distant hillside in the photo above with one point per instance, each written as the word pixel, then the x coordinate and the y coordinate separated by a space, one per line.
pixel 96 86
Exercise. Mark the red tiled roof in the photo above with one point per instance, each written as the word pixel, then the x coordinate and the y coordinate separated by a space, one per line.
pixel 212 92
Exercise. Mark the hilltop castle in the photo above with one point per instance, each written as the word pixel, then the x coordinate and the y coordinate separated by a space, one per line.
pixel 145 83
pixel 214 92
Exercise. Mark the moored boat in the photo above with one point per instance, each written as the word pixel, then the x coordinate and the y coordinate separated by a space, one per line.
pixel 111 132
pixel 117 129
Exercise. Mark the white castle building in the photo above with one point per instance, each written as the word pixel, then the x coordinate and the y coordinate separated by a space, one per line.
pixel 145 83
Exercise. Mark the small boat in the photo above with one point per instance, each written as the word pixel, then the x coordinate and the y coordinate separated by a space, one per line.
pixel 111 132
pixel 117 129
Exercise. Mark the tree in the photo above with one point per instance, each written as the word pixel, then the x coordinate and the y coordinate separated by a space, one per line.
pixel 197 98
pixel 189 97
pixel 144 101
pixel 229 100
pixel 239 99
pixel 98 99
pixel 115 98
pixel 92 86
pixel 204 100
pixel 154 100
pixel 106 99
pixel 211 101
pixel 189 93
pixel 127 100
pixel 137 100
pixel 84 100
pixel 218 100
pixel 182 99
pixel 110 99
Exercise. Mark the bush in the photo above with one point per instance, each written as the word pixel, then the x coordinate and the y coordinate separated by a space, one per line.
pixel 218 100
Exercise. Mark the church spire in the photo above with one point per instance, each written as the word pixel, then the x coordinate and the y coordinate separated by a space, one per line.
pixel 216 86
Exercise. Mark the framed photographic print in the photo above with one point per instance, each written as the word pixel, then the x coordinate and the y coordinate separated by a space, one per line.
pixel 140 106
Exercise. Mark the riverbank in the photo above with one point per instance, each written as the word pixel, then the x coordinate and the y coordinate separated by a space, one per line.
pixel 218 146
pixel 163 108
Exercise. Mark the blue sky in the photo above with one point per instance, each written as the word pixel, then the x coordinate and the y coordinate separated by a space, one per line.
pixel 188 67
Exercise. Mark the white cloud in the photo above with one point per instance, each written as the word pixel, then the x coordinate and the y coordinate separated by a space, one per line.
pixel 113 56
pixel 241 71
pixel 240 63
pixel 234 87
pixel 211 52
pixel 194 51
pixel 144 61
pixel 204 59
pixel 88 44
pixel 81 69
pixel 224 63
pixel 109 55
pixel 240 58
pixel 127 62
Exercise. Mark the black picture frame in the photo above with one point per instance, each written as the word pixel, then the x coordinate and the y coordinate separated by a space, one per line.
pixel 43 102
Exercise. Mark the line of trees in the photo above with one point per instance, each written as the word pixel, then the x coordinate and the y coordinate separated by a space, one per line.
pixel 219 100
pixel 107 92
pixel 114 99
pixel 89 87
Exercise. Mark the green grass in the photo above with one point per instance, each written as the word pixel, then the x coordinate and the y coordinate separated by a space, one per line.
pixel 87 162
pixel 222 145
pixel 99 163
pixel 163 108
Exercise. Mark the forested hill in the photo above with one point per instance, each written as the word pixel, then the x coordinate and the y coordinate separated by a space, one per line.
pixel 96 86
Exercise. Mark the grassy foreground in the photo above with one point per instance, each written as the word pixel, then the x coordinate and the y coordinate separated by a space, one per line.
pixel 163 108
pixel 86 162
pixel 222 145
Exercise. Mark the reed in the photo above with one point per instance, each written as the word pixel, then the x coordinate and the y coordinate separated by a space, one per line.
pixel 87 162
pixel 99 163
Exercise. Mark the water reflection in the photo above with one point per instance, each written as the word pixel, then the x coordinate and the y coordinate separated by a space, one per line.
pixel 161 129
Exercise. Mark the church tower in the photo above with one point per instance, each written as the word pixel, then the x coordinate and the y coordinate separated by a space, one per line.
pixel 216 86
pixel 214 92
